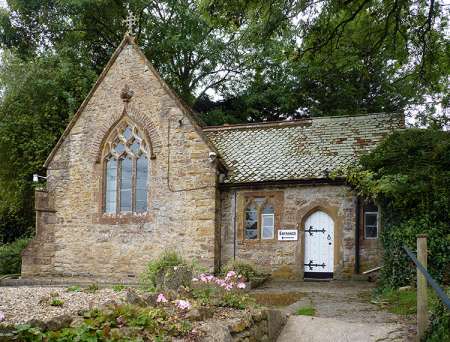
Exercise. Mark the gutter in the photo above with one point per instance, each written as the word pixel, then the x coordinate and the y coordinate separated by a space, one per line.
pixel 314 181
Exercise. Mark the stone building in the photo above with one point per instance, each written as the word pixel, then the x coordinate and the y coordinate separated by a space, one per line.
pixel 136 173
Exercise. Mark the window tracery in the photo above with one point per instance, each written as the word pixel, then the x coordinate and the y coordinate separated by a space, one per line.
pixel 126 170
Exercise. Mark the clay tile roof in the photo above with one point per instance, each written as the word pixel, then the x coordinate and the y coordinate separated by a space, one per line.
pixel 301 149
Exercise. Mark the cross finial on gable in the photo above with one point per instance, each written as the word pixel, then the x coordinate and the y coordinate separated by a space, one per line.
pixel 130 22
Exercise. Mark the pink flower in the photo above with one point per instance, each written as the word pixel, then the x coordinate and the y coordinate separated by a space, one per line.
pixel 161 299
pixel 120 321
pixel 228 287
pixel 231 274
pixel 241 286
pixel 183 304
pixel 2 316
pixel 210 277
pixel 220 282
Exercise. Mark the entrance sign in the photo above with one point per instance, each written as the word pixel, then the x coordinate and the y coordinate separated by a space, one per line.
pixel 288 235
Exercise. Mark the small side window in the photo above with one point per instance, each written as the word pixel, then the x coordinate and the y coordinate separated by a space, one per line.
pixel 268 223
pixel 251 222
pixel 370 225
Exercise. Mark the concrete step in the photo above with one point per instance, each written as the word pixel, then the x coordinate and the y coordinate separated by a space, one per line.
pixel 319 329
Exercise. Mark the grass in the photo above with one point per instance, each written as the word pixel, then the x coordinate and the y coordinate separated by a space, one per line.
pixel 74 288
pixel 56 302
pixel 92 288
pixel 398 302
pixel 118 287
pixel 306 311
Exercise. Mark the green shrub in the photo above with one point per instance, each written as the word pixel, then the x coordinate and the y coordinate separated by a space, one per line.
pixel 10 258
pixel 408 176
pixel 92 288
pixel 236 300
pixel 74 288
pixel 56 302
pixel 166 259
pixel 439 329
pixel 242 268
pixel 118 287
pixel 206 294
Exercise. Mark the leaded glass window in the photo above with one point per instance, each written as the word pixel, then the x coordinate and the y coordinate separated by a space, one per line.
pixel 268 222
pixel 126 170
pixel 251 222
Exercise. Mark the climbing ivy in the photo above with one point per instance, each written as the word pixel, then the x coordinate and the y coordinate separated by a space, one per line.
pixel 408 175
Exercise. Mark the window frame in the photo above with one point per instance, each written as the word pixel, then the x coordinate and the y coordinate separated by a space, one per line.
pixel 273 226
pixel 377 226
pixel 106 156
pixel 250 204
pixel 260 203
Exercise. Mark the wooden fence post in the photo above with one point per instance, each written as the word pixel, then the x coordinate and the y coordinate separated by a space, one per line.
pixel 422 300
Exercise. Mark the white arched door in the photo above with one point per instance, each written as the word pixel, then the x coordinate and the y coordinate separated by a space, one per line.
pixel 319 246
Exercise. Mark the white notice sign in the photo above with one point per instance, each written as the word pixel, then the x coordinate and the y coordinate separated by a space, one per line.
pixel 288 235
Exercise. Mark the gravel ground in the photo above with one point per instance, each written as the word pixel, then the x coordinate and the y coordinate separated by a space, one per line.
pixel 21 304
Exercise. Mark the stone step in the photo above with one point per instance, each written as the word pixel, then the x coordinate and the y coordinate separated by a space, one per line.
pixel 319 329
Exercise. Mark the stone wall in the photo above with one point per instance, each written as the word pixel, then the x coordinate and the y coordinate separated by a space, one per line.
pixel 256 326
pixel 77 238
pixel 284 259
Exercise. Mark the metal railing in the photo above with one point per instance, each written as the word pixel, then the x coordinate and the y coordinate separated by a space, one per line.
pixel 440 292
pixel 423 277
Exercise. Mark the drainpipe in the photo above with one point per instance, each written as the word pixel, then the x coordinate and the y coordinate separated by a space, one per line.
pixel 357 227
pixel 234 224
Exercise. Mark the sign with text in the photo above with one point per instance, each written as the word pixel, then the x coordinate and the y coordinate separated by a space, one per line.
pixel 287 235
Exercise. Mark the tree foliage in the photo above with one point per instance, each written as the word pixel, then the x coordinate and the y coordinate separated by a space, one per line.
pixel 408 175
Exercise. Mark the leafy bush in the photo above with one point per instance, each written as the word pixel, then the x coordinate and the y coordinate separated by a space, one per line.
pixel 119 323
pixel 118 287
pixel 92 288
pixel 242 268
pixel 236 300
pixel 10 258
pixel 439 329
pixel 56 302
pixel 166 259
pixel 408 175
pixel 74 288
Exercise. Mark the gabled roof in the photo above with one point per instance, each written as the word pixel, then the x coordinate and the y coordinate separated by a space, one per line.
pixel 129 40
pixel 298 150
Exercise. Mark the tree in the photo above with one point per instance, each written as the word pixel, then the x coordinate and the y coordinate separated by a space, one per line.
pixel 39 97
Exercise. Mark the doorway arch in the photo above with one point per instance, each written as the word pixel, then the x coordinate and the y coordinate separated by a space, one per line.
pixel 319 246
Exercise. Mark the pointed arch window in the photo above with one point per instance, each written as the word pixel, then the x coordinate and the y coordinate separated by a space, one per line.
pixel 126 170
pixel 251 222
pixel 259 218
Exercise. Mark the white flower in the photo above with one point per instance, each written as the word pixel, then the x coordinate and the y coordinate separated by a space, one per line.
pixel 241 286
pixel 231 274
pixel 183 304
pixel 2 316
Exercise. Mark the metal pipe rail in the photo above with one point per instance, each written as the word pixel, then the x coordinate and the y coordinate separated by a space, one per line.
pixel 441 294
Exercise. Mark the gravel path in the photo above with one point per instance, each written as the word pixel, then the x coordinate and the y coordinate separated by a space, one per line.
pixel 21 304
